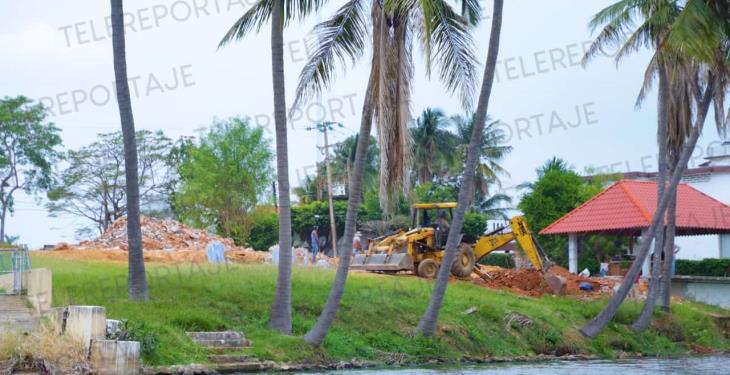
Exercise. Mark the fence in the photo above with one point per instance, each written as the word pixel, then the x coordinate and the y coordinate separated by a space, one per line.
pixel 14 262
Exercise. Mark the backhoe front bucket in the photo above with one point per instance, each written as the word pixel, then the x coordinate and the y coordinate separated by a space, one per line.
pixel 382 262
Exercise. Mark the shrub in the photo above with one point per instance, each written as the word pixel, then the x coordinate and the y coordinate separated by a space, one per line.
pixel 264 230
pixel 499 260
pixel 475 224
pixel 704 267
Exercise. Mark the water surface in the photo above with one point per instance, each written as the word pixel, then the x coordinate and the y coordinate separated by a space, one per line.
pixel 714 365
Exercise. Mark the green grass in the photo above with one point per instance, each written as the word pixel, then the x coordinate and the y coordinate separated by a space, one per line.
pixel 375 321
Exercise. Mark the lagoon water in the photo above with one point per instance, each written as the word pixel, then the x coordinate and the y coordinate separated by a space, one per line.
pixel 713 365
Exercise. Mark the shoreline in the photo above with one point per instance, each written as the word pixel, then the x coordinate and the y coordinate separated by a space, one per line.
pixel 255 366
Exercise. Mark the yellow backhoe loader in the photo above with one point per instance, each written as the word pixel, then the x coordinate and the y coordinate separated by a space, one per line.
pixel 421 248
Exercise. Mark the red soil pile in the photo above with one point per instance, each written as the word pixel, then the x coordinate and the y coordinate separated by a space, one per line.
pixel 531 282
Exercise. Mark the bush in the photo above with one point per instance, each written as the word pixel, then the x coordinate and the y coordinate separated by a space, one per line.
pixel 264 230
pixel 475 224
pixel 499 260
pixel 704 267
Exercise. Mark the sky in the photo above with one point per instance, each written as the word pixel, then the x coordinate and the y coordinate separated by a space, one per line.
pixel 547 103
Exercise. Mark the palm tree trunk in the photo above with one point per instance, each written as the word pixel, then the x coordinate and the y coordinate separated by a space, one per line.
pixel 316 335
pixel 596 325
pixel 665 288
pixel 137 282
pixel 280 318
pixel 644 319
pixel 427 325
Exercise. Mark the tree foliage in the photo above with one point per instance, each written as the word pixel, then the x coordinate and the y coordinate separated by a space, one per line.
pixel 557 191
pixel 28 148
pixel 223 177
pixel 92 185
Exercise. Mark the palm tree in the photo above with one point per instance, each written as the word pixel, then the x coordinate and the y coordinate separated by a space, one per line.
pixel 445 40
pixel 433 145
pixel 344 36
pixel 698 76
pixel 492 152
pixel 617 20
pixel 137 281
pixel 703 25
pixel 280 12
pixel 427 325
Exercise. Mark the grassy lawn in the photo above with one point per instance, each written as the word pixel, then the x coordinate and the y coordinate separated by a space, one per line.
pixel 377 316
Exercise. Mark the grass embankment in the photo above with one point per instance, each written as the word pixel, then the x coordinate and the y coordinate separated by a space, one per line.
pixel 377 316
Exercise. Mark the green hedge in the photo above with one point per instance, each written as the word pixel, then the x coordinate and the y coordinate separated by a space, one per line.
pixel 704 267
pixel 500 260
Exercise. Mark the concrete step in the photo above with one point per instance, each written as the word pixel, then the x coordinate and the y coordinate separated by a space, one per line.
pixel 224 339
pixel 16 315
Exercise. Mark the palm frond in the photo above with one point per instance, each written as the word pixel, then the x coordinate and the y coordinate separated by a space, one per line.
pixel 253 19
pixel 339 39
pixel 447 33
pixel 471 10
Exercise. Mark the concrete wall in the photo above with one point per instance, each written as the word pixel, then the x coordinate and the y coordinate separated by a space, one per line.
pixel 86 323
pixel 115 357
pixel 709 290
pixel 39 285
pixel 700 247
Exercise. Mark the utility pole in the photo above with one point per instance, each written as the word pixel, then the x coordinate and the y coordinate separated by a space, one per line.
pixel 324 127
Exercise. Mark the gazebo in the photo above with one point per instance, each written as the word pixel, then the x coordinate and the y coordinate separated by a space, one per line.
pixel 626 209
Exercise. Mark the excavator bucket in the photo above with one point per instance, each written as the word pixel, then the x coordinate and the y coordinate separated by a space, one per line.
pixel 382 262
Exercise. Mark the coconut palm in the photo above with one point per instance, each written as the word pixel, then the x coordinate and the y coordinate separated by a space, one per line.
pixel 617 20
pixel 493 151
pixel 279 12
pixel 445 40
pixel 694 81
pixel 137 281
pixel 344 37
pixel 433 145
pixel 699 29
pixel 427 325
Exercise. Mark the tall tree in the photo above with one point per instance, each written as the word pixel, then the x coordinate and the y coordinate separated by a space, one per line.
pixel 427 325
pixel 137 282
pixel 344 36
pixel 433 145
pixel 235 158
pixel 492 151
pixel 656 18
pixel 445 40
pixel 280 12
pixel 28 148
pixel 702 26
pixel 92 185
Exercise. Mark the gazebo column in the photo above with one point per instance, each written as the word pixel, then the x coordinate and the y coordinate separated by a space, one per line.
pixel 646 266
pixel 573 252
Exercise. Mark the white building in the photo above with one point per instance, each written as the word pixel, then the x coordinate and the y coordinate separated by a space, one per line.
pixel 712 178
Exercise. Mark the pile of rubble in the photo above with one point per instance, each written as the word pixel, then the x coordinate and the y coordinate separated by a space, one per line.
pixel 157 234
pixel 163 241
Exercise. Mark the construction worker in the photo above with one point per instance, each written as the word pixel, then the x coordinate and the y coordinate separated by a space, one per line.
pixel 314 237
pixel 357 243
pixel 442 229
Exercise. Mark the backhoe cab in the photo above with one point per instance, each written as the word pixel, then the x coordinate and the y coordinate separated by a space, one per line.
pixel 421 248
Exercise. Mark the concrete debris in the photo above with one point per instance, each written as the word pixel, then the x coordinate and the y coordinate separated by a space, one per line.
pixel 163 241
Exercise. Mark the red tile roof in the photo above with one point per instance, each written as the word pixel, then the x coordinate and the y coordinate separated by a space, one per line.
pixel 626 207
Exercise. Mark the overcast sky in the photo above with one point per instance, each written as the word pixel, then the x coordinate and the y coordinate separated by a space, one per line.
pixel 548 104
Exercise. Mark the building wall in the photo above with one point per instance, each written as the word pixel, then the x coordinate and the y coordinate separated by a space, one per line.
pixel 699 247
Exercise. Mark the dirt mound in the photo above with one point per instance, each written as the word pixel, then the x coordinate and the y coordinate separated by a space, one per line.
pixel 531 282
